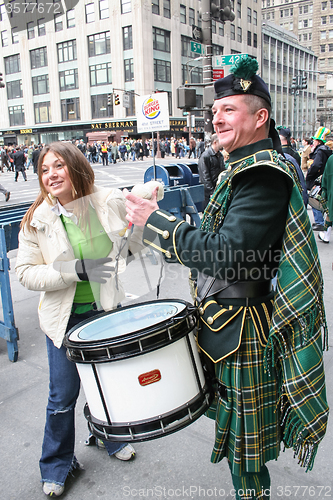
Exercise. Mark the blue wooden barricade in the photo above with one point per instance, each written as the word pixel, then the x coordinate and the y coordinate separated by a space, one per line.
pixel 10 219
pixel 182 201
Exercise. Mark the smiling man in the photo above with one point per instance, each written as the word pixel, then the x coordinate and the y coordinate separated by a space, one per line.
pixel 254 229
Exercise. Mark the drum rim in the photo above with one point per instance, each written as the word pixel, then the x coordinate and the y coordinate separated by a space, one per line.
pixel 118 341
pixel 204 397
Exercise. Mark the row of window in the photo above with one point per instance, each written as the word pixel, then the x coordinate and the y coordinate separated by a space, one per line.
pixel 325 47
pixel 101 107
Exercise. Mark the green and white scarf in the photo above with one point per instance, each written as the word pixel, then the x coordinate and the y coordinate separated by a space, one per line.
pixel 295 342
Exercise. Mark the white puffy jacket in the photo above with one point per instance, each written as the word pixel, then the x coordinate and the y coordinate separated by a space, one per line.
pixel 46 262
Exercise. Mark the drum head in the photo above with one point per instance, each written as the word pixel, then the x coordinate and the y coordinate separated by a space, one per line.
pixel 126 321
pixel 314 203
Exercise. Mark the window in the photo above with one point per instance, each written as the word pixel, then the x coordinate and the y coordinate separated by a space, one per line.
pixel 70 109
pixel 58 22
pixel 38 58
pixel 67 51
pixel 125 6
pixel 162 71
pixel 249 38
pixel 305 9
pixel 15 37
pixel 321 103
pixel 199 17
pixel 213 26
pixel 2 12
pixel 249 15
pixel 330 34
pixel 103 9
pixel 182 14
pixel 255 18
pixel 100 107
pixel 324 20
pixel 41 27
pixel 69 79
pixel 100 74
pixel 322 48
pixel 305 37
pixel 329 103
pixel 90 13
pixel 31 30
pixel 330 47
pixel 186 46
pixel 16 115
pixel 239 34
pixel 323 5
pixel 155 7
pixel 70 18
pixel 40 84
pixel 12 64
pixel 166 13
pixel 127 38
pixel 221 29
pixel 4 38
pixel 321 90
pixel 129 70
pixel 323 35
pixel 99 44
pixel 42 112
pixel 255 40
pixel 239 9
pixel 161 40
pixel 191 16
pixel 232 32
pixel 217 50
pixel 14 89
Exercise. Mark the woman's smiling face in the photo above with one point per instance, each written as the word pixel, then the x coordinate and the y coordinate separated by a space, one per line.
pixel 56 179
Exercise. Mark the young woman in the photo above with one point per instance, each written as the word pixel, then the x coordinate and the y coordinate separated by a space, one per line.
pixel 69 245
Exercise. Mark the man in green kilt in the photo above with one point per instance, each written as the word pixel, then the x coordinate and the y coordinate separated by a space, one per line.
pixel 265 343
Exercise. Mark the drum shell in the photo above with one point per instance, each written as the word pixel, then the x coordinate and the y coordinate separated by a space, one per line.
pixel 114 393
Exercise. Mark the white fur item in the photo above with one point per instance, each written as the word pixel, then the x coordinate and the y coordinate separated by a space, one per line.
pixel 146 190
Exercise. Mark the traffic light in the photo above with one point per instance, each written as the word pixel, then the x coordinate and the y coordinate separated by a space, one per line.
pixel 294 82
pixel 116 100
pixel 109 99
pixel 226 14
pixel 215 9
pixel 1 81
pixel 304 82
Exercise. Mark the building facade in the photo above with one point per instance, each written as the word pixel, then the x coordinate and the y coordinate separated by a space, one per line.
pixel 283 57
pixel 312 22
pixel 70 73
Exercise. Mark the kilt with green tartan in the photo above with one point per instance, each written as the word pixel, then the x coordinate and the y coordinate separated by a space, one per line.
pixel 247 415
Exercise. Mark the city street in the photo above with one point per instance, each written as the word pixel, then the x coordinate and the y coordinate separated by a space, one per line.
pixel 176 466
pixel 121 174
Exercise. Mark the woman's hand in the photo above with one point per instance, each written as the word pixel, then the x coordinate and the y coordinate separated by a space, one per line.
pixel 139 209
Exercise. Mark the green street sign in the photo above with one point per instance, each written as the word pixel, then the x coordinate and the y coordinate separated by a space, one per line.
pixel 196 47
pixel 227 60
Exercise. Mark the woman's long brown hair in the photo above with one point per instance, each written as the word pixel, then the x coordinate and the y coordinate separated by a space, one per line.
pixel 80 173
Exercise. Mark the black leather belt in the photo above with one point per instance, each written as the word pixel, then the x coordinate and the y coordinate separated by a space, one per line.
pixel 245 289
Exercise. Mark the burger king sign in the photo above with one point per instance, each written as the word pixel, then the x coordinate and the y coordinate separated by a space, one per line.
pixel 152 112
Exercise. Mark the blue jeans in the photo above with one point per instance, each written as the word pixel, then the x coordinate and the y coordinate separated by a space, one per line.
pixel 318 216
pixel 58 457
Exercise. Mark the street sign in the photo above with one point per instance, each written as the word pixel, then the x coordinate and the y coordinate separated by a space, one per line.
pixel 227 60
pixel 196 33
pixel 196 47
pixel 218 73
pixel 126 100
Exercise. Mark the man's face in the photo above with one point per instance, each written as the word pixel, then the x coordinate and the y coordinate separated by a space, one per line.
pixel 234 124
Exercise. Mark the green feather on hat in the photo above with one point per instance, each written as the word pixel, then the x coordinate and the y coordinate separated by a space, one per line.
pixel 245 68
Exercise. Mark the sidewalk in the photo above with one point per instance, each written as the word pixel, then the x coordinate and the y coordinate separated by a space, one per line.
pixel 176 466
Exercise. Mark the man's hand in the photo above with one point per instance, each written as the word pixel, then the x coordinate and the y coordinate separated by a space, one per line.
pixel 139 209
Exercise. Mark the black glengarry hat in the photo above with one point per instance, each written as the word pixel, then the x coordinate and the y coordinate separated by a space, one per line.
pixel 242 80
pixel 284 132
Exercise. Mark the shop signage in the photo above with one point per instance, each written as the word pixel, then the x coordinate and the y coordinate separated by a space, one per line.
pixel 26 131
pixel 123 125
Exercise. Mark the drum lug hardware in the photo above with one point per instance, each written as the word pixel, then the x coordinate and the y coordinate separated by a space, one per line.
pixel 108 351
pixel 140 345
pixel 169 334
pixel 82 356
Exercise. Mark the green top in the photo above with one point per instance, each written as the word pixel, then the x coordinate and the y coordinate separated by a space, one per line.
pixel 90 243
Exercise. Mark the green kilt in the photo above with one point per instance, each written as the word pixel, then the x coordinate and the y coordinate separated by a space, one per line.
pixel 247 417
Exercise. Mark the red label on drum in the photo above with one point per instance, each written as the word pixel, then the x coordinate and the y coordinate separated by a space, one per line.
pixel 150 377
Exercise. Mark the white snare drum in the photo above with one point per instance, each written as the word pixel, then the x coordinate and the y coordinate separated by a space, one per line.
pixel 140 370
